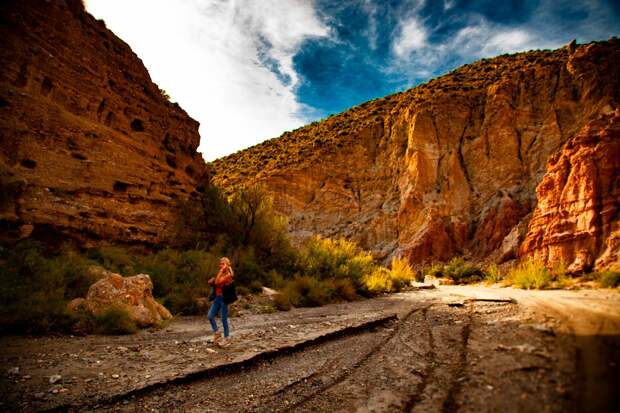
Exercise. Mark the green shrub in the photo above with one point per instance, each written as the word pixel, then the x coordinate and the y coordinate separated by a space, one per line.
pixel 275 280
pixel 492 274
pixel 326 258
pixel 114 321
pixel 179 277
pixel 181 301
pixel 462 272
pixel 34 288
pixel 304 291
pixel 282 302
pixel 241 290
pixel 435 270
pixel 530 274
pixel 609 279
pixel 115 259
pixel 343 289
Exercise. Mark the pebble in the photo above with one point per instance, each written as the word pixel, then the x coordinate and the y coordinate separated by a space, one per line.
pixel 13 371
pixel 39 395
pixel 55 378
pixel 115 376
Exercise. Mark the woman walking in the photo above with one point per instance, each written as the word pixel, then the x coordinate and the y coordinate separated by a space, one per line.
pixel 223 278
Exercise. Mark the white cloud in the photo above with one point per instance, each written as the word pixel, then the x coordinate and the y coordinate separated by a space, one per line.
pixel 217 59
pixel 412 33
pixel 479 38
pixel 370 7
pixel 448 4
pixel 413 36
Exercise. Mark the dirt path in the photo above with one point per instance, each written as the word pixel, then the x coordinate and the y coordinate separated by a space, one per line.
pixel 451 349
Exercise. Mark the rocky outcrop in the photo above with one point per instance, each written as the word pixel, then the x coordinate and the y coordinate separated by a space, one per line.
pixel 447 168
pixel 134 294
pixel 576 217
pixel 91 147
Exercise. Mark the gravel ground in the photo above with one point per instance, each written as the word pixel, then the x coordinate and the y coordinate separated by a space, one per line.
pixel 451 349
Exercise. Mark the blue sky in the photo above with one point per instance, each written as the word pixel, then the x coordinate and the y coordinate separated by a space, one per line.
pixel 249 70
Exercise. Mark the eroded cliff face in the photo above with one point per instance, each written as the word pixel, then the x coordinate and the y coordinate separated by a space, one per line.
pixel 450 167
pixel 576 218
pixel 90 146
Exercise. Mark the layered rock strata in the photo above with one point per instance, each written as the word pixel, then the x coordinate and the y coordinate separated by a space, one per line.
pixel 91 147
pixel 448 168
pixel 576 218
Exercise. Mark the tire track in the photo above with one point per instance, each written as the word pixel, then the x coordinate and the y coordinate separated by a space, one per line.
pixel 361 362
pixel 447 361
pixel 233 367
pixel 450 404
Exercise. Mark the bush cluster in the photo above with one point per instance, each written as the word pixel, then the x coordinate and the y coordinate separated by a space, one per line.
pixel 382 279
pixel 34 288
pixel 458 270
pixel 607 279
pixel 338 270
pixel 532 274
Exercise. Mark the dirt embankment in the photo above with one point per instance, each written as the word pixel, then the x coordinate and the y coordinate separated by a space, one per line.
pixel 450 349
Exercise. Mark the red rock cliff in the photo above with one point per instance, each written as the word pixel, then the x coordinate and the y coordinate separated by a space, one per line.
pixel 90 146
pixel 576 217
pixel 447 168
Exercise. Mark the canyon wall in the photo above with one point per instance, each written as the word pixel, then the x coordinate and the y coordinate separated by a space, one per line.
pixel 451 167
pixel 91 147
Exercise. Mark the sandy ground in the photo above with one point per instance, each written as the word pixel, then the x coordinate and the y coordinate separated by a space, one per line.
pixel 449 349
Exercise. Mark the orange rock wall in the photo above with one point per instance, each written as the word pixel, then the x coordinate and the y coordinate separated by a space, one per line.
pixel 576 218
pixel 90 147
pixel 446 169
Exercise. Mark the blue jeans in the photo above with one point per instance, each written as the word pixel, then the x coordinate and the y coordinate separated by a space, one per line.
pixel 215 308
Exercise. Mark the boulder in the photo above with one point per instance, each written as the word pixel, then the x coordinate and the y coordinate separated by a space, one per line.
pixel 132 293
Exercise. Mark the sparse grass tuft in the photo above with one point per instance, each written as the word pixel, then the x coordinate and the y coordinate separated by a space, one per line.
pixel 492 275
pixel 115 321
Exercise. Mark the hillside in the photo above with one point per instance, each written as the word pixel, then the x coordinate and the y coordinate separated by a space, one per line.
pixel 453 167
pixel 91 147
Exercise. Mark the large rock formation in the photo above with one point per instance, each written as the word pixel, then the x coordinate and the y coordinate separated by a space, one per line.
pixel 91 147
pixel 451 167
pixel 576 218
pixel 133 294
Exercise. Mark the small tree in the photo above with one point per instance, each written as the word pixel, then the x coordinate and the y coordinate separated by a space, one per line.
pixel 250 206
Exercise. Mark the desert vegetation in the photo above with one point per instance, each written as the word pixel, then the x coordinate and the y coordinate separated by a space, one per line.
pixel 37 281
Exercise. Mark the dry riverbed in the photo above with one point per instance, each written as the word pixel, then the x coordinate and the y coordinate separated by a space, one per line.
pixel 447 349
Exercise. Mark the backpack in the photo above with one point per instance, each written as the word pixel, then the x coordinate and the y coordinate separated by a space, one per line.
pixel 229 293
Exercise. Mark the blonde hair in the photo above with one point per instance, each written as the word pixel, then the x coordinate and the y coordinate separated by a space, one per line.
pixel 226 261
